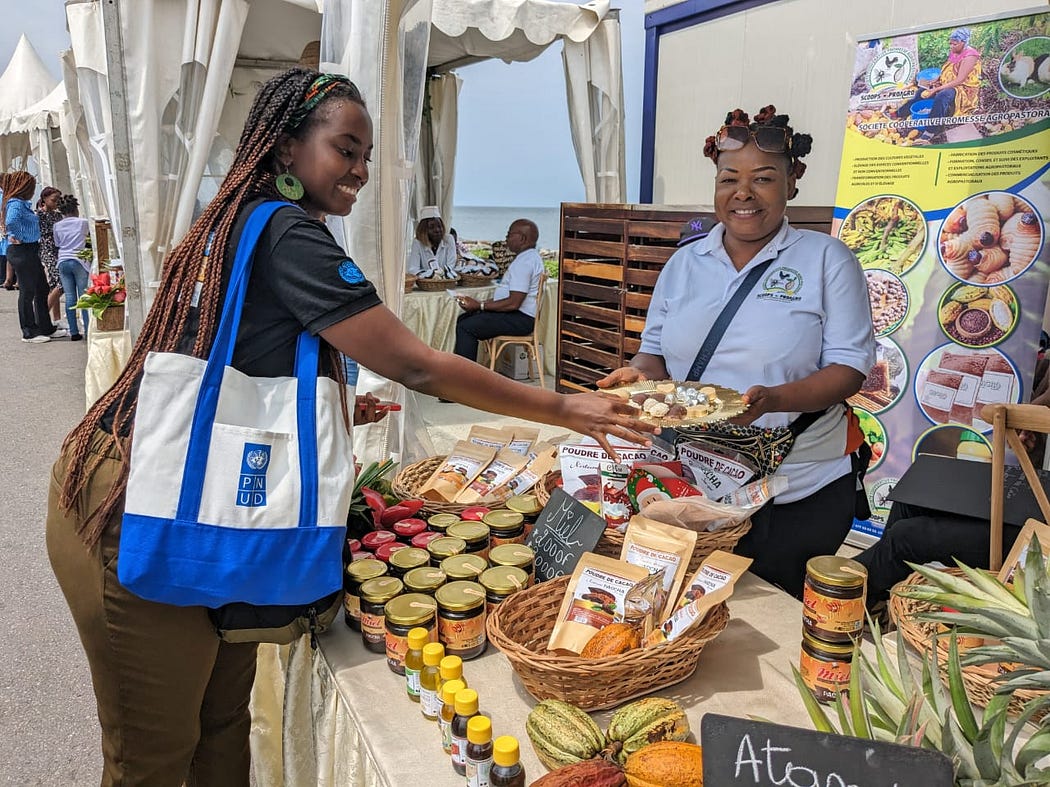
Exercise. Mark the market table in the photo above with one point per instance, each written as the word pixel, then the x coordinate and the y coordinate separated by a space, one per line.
pixel 347 721
pixel 432 317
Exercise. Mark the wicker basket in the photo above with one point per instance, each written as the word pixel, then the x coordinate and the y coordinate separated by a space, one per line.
pixel 476 280
pixel 980 682
pixel 611 542
pixel 436 285
pixel 522 625
pixel 407 482
pixel 410 282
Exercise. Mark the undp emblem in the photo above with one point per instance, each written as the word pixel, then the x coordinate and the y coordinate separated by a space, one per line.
pixel 251 489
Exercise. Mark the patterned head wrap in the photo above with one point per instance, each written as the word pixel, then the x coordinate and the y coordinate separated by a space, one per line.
pixel 315 94
pixel 960 34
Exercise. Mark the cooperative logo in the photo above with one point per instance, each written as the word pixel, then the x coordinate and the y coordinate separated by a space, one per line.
pixel 251 488
pixel 782 284
pixel 893 67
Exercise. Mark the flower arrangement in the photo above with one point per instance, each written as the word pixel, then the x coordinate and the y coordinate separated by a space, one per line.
pixel 102 294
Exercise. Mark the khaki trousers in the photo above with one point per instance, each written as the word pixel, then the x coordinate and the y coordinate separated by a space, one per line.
pixel 172 697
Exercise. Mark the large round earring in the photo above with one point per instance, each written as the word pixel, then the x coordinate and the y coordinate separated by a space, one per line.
pixel 290 187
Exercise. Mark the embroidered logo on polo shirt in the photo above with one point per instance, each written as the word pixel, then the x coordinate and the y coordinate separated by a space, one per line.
pixel 782 284
pixel 350 273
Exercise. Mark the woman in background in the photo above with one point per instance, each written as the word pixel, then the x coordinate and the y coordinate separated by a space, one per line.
pixel 70 238
pixel 432 248
pixel 47 212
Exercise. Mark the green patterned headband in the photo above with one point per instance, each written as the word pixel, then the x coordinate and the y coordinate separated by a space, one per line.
pixel 315 94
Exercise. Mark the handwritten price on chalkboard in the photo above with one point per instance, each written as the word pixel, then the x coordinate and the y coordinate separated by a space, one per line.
pixel 564 531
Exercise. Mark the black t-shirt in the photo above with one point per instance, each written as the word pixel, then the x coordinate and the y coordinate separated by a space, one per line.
pixel 300 279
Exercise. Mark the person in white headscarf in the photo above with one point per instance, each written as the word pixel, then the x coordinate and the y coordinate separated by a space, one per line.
pixel 432 248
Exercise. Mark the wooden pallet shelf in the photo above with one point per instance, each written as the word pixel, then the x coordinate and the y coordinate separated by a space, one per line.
pixel 610 258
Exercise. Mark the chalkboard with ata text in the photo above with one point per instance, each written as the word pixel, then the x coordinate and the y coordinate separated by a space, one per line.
pixel 760 754
pixel 564 530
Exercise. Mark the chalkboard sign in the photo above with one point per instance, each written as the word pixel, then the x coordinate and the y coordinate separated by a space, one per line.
pixel 566 529
pixel 759 754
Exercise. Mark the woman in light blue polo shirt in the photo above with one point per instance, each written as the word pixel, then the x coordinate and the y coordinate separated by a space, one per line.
pixel 801 341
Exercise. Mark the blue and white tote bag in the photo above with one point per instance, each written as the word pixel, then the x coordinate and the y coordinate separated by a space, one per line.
pixel 239 486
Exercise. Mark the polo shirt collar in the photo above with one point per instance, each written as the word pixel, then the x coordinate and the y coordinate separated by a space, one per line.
pixel 712 244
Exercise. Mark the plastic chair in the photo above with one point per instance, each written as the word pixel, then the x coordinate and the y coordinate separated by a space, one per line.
pixel 531 342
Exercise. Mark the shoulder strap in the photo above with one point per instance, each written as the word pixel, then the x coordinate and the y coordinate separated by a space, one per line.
pixel 718 330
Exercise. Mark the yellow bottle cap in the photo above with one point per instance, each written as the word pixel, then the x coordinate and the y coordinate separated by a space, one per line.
pixel 451 668
pixel 433 652
pixel 418 638
pixel 504 750
pixel 449 689
pixel 479 729
pixel 467 702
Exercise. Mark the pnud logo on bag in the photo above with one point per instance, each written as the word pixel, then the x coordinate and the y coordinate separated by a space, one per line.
pixel 251 491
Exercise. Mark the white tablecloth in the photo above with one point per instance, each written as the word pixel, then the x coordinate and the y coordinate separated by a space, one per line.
pixel 346 721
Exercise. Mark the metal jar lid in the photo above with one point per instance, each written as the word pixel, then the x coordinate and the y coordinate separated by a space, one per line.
pixel 410 609
pixel 464 566
pixel 381 589
pixel 837 571
pixel 512 555
pixel 363 570
pixel 441 521
pixel 409 558
pixel 504 519
pixel 446 546
pixel 840 651
pixel 460 596
pixel 471 532
pixel 504 580
pixel 424 580
pixel 524 504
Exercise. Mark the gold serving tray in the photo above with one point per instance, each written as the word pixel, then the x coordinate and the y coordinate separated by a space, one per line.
pixel 727 402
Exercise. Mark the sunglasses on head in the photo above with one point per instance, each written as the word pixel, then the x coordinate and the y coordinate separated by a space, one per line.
pixel 768 139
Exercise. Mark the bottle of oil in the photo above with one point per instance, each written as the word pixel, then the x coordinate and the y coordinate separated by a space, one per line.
pixel 417 638
pixel 466 708
pixel 479 751
pixel 430 680
pixel 448 711
pixel 506 766
pixel 452 669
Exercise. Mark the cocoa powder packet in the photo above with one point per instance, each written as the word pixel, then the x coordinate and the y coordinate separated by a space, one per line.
pixel 490 438
pixel 541 458
pixel 711 584
pixel 459 469
pixel 595 598
pixel 656 546
pixel 524 437
pixel 505 466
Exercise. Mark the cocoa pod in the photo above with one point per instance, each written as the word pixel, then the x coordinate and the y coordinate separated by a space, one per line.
pixel 591 773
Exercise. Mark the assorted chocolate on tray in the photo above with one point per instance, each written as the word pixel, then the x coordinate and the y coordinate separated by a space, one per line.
pixel 682 403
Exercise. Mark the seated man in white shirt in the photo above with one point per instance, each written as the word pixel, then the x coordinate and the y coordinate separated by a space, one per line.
pixel 512 310
pixel 432 248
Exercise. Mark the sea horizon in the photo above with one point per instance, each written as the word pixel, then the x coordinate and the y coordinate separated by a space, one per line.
pixel 490 222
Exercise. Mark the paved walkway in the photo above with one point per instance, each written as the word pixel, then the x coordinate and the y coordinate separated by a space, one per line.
pixel 48 727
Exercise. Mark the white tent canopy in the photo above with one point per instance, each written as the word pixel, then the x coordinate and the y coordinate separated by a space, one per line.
pixel 24 83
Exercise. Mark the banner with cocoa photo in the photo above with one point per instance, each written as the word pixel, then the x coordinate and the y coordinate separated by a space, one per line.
pixel 943 195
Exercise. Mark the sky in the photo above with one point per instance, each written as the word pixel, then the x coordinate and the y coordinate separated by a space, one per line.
pixel 514 142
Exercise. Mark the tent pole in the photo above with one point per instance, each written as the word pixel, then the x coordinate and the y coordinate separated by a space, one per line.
pixel 123 164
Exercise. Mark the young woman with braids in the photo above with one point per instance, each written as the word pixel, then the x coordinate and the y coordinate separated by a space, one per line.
pixel 172 697
pixel 801 341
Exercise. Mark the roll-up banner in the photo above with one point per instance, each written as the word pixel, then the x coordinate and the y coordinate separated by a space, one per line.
pixel 942 195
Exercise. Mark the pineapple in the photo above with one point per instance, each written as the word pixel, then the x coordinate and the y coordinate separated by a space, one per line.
pixel 886 702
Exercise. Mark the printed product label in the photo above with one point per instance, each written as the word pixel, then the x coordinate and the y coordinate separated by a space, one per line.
pixel 824 678
pixel 396 648
pixel 459 750
pixel 598 598
pixel 654 560
pixel 715 475
pixel 446 734
pixel 461 635
pixel 429 702
pixel 373 628
pixel 478 772
pixel 352 605
pixel 968 388
pixel 938 397
pixel 412 682
pixel 836 616
pixel 996 388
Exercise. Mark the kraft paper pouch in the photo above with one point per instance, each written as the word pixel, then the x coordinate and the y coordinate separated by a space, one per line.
pixel 711 584
pixel 594 599
pixel 490 438
pixel 656 546
pixel 524 437
pixel 506 465
pixel 461 467
pixel 705 515
pixel 541 458
pixel 616 504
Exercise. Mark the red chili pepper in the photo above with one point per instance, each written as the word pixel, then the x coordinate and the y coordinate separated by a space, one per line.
pixel 402 510
pixel 376 503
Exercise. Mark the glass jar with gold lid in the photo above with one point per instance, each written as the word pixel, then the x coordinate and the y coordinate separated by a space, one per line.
pixel 476 534
pixel 505 527
pixel 374 595
pixel 517 555
pixel 461 618
pixel 357 572
pixel 468 567
pixel 501 582
pixel 404 560
pixel 424 580
pixel 403 613
pixel 446 546
pixel 440 522
pixel 833 598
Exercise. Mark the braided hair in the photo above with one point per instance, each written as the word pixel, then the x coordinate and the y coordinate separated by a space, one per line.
pixel 799 144
pixel 15 185
pixel 278 110
pixel 68 205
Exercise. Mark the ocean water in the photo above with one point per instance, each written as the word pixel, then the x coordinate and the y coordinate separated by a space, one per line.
pixel 473 222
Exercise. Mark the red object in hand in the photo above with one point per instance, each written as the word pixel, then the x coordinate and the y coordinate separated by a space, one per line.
pixel 402 510
pixel 474 513
pixel 386 550
pixel 376 539
pixel 407 528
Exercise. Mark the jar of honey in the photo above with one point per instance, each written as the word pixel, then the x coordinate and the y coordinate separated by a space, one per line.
pixel 461 619
pixel 476 534
pixel 468 567
pixel 833 598
pixel 424 580
pixel 404 613
pixel 404 560
pixel 439 522
pixel 374 595
pixel 446 546
pixel 505 527
pixel 357 572
pixel 500 582
pixel 825 666
pixel 517 555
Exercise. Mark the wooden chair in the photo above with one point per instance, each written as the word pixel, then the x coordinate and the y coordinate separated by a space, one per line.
pixel 1006 420
pixel 531 342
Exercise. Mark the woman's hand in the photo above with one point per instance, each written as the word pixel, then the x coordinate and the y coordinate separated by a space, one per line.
pixel 760 400
pixel 365 410
pixel 622 376
pixel 601 416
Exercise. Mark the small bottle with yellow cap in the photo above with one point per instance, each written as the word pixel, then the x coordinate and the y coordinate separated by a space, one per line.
pixel 448 711
pixel 430 680
pixel 417 640
pixel 479 751
pixel 452 669
pixel 466 709
pixel 506 763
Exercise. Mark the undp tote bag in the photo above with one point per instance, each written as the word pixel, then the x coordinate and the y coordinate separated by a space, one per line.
pixel 239 486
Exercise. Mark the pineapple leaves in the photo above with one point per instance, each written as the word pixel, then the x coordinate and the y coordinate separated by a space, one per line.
pixel 957 689
pixel 816 713
pixel 1037 747
pixel 858 712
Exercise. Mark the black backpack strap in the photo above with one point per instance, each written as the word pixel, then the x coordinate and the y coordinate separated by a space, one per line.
pixel 804 421
pixel 718 330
